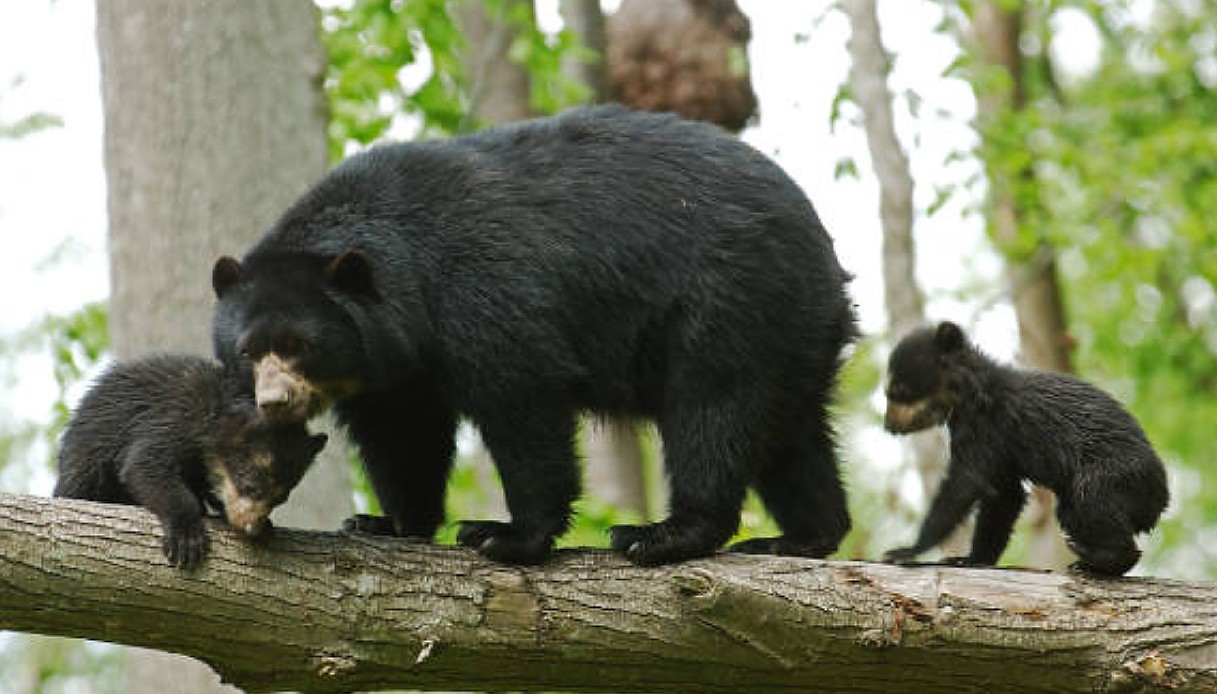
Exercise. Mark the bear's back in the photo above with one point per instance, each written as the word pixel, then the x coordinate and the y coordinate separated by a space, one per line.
pixel 167 399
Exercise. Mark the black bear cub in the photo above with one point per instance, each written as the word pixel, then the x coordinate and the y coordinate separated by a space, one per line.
pixel 1009 425
pixel 602 261
pixel 172 433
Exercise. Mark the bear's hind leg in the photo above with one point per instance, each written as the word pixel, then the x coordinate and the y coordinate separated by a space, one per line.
pixel 407 443
pixel 534 454
pixel 800 485
pixel 1102 539
pixel 708 451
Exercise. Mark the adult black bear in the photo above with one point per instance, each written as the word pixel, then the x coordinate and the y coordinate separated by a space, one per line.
pixel 603 260
pixel 172 434
pixel 1009 425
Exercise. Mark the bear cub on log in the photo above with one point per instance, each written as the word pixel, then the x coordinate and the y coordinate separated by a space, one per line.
pixel 1008 425
pixel 603 260
pixel 171 433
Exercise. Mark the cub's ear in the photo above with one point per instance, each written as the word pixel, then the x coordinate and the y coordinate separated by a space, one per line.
pixel 317 442
pixel 225 275
pixel 351 272
pixel 949 337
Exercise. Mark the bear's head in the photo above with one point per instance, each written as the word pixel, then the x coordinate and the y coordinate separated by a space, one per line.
pixel 922 387
pixel 288 322
pixel 256 464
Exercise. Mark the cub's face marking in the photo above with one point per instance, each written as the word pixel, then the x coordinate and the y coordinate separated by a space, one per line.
pixel 252 483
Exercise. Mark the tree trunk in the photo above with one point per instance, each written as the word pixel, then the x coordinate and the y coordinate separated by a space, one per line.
pixel 901 292
pixel 585 20
pixel 215 122
pixel 499 86
pixel 1034 289
pixel 614 463
pixel 328 612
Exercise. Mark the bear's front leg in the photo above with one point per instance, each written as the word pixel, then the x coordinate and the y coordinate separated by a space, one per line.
pixel 406 438
pixel 534 454
pixel 152 475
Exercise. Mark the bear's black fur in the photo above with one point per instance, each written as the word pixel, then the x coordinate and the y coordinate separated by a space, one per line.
pixel 1009 425
pixel 172 434
pixel 603 260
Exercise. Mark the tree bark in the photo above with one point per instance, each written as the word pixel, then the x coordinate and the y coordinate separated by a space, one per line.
pixel 329 612
pixel 1034 288
pixel 1043 341
pixel 614 463
pixel 498 86
pixel 215 122
pixel 585 19
pixel 869 69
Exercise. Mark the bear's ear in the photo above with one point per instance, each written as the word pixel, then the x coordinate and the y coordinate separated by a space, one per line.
pixel 351 272
pixel 949 337
pixel 225 275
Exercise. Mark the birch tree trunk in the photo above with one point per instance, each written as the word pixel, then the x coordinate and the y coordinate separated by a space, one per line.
pixel 328 612
pixel 1034 288
pixel 499 86
pixel 585 19
pixel 869 69
pixel 215 122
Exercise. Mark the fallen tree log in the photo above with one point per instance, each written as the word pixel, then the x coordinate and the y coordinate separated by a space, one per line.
pixel 333 612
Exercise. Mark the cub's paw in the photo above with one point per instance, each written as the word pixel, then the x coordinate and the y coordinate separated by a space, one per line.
pixel 661 543
pixel 185 544
pixel 903 555
pixel 369 525
pixel 506 543
pixel 784 546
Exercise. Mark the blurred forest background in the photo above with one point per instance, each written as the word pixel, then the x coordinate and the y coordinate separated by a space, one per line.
pixel 1042 171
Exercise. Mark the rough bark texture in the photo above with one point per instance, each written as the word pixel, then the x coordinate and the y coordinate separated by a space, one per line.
pixel 1034 288
pixel 869 69
pixel 326 612
pixel 215 122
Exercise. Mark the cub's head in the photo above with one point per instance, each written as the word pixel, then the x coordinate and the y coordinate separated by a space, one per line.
pixel 256 465
pixel 920 388
pixel 288 323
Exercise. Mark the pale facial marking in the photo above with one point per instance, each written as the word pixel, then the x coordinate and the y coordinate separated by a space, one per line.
pixel 282 393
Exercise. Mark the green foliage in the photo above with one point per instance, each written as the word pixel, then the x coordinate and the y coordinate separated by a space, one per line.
pixel 29 123
pixel 77 342
pixel 1132 192
pixel 1115 170
pixel 59 666
pixel 370 43
pixel 541 55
